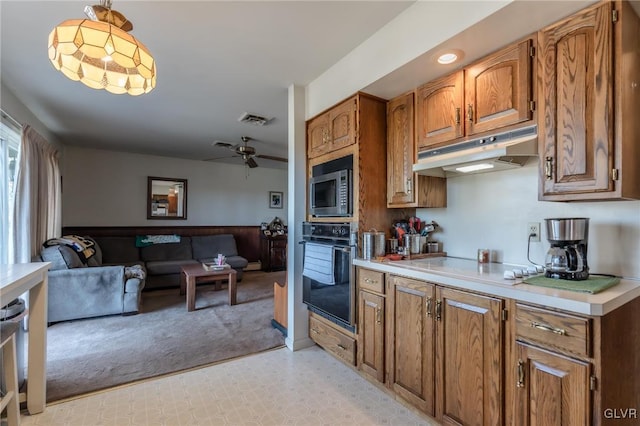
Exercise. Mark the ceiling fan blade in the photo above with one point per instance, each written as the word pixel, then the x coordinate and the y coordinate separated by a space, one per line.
pixel 271 157
pixel 220 158
pixel 251 163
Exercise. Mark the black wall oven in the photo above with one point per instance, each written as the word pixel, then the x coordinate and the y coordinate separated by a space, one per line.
pixel 328 273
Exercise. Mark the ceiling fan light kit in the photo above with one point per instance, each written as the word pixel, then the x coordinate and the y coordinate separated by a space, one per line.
pixel 100 53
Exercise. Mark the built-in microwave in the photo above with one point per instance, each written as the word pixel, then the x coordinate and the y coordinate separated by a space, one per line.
pixel 330 194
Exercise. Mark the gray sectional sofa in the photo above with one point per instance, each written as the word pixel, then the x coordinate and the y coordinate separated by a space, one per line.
pixel 111 281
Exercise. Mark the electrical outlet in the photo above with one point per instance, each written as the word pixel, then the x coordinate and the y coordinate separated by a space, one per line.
pixel 533 228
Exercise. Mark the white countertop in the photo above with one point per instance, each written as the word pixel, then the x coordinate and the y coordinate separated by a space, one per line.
pixel 488 278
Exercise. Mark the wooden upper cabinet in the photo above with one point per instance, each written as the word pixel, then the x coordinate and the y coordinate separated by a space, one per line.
pixel 404 187
pixel 440 110
pixel 469 358
pixel 551 389
pixel 318 136
pixel 342 124
pixel 576 116
pixel 588 67
pixel 498 90
pixel 333 129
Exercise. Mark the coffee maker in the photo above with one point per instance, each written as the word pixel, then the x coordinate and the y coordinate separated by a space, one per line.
pixel 567 256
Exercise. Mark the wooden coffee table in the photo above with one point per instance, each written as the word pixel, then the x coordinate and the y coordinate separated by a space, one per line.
pixel 192 274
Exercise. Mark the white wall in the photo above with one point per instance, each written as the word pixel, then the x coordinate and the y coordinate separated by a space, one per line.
pixel 492 210
pixel 107 188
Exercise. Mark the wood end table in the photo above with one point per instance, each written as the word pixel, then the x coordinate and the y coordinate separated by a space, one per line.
pixel 195 273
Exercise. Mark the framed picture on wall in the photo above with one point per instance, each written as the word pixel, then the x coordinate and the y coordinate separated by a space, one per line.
pixel 275 200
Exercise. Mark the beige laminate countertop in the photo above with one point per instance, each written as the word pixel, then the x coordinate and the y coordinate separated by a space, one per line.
pixel 488 278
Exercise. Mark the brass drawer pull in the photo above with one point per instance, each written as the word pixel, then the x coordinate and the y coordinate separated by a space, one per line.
pixel 341 347
pixel 370 281
pixel 520 382
pixel 545 327
pixel 315 331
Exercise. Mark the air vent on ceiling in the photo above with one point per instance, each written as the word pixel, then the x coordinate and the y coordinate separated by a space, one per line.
pixel 253 119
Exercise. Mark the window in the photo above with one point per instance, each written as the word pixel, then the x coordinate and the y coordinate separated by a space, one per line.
pixel 9 144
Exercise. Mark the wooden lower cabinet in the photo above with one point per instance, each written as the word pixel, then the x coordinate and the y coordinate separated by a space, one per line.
pixel 552 389
pixel 332 338
pixel 469 358
pixel 410 337
pixel 371 334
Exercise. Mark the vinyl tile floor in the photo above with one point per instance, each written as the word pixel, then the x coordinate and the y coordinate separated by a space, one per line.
pixel 277 387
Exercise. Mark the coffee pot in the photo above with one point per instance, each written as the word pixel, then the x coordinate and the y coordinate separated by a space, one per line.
pixel 567 256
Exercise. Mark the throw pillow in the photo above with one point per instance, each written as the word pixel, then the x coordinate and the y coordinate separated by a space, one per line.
pixel 61 257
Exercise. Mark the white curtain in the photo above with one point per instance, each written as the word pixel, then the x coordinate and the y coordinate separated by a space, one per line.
pixel 37 202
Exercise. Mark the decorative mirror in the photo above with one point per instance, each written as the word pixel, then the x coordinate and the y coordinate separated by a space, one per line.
pixel 166 198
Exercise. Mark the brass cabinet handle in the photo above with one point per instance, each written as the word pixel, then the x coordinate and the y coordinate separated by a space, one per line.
pixel 429 304
pixel 547 168
pixel 315 331
pixel 470 113
pixel 379 315
pixel 438 310
pixel 341 347
pixel 458 116
pixel 370 281
pixel 409 185
pixel 549 328
pixel 520 382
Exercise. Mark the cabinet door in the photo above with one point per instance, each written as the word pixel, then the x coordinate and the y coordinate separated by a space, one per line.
pixel 410 350
pixel 551 389
pixel 371 335
pixel 498 90
pixel 469 358
pixel 576 111
pixel 439 110
pixel 400 151
pixel 342 124
pixel 318 136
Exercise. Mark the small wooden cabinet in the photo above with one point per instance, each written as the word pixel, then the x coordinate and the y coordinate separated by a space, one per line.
pixel 371 323
pixel 411 346
pixel 333 338
pixel 273 252
pixel 404 187
pixel 469 358
pixel 490 94
pixel 552 389
pixel 332 130
pixel 588 68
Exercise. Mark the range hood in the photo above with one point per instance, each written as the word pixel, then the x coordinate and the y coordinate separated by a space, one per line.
pixel 501 151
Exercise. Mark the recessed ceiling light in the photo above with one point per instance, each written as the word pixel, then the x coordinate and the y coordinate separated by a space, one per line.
pixel 447 58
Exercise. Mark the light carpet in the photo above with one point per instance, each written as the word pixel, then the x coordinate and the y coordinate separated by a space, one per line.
pixel 93 354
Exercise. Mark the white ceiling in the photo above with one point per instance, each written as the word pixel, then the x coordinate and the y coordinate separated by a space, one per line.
pixel 215 61
pixel 219 59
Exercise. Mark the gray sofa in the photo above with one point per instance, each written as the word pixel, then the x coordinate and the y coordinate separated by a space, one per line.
pixel 78 290
pixel 111 281
pixel 163 261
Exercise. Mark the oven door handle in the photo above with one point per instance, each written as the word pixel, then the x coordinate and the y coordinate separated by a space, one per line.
pixel 346 249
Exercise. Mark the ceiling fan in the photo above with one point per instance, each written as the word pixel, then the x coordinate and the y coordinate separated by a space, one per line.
pixel 248 153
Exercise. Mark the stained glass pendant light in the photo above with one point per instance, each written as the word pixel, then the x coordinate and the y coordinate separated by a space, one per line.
pixel 100 53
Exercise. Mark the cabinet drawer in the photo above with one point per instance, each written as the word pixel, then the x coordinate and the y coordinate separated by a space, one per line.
pixel 554 329
pixel 332 340
pixel 371 280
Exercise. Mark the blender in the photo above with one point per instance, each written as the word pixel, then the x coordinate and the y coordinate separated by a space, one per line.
pixel 567 256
